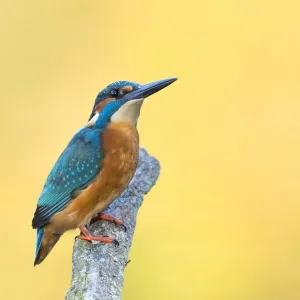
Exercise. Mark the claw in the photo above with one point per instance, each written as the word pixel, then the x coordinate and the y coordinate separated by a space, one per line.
pixel 87 236
pixel 109 218
pixel 97 238
pixel 116 243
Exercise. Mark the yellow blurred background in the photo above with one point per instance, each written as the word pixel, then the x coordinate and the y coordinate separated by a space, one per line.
pixel 223 220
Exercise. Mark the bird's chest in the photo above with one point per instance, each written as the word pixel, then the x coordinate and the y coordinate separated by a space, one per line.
pixel 120 143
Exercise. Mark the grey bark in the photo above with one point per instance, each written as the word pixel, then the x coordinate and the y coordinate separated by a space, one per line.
pixel 98 268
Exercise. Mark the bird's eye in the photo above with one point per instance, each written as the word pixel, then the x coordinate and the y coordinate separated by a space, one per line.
pixel 114 93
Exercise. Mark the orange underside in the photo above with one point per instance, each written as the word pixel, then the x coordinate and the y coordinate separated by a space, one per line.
pixel 120 143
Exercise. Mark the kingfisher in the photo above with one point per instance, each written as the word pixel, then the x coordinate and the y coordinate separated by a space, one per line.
pixel 95 168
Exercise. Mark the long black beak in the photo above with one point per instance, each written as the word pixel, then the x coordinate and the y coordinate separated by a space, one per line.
pixel 149 89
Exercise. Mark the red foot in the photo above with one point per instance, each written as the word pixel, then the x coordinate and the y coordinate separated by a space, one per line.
pixel 109 218
pixel 89 237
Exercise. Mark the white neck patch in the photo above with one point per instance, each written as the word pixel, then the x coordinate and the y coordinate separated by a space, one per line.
pixel 93 120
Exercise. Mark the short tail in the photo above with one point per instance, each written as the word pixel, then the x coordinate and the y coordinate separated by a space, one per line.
pixel 45 241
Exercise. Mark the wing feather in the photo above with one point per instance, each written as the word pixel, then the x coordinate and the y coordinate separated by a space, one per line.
pixel 76 168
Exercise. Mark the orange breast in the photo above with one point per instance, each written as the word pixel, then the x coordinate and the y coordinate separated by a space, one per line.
pixel 120 143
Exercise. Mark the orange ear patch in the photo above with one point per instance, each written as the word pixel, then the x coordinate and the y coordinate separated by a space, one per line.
pixel 127 89
pixel 103 103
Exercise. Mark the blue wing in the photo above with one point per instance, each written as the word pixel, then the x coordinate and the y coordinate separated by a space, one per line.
pixel 75 169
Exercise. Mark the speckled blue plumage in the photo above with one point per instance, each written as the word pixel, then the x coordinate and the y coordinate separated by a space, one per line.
pixel 75 169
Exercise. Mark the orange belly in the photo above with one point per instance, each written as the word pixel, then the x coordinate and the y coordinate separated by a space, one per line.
pixel 120 144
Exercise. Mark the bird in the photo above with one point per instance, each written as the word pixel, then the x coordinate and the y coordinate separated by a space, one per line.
pixel 95 167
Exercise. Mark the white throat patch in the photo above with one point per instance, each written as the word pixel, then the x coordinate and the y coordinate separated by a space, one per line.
pixel 129 112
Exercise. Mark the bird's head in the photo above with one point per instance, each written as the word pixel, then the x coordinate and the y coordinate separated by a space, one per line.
pixel 122 101
pixel 112 92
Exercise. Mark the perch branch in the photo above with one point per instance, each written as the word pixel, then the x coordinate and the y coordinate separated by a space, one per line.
pixel 98 269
